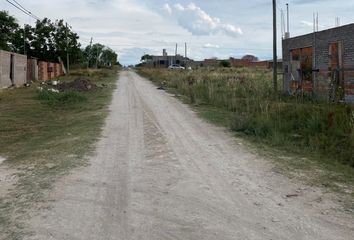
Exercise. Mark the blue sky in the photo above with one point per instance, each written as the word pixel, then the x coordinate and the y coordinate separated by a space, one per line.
pixel 212 28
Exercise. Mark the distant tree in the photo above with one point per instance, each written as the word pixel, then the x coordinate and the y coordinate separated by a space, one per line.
pixel 47 41
pixel 146 57
pixel 19 45
pixel 225 63
pixel 251 58
pixel 108 57
pixel 8 27
pixel 93 54
pixel 66 40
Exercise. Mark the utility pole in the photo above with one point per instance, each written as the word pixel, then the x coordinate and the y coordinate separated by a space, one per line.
pixel 67 51
pixel 89 55
pixel 176 53
pixel 24 39
pixel 275 57
pixel 287 18
pixel 185 55
pixel 185 50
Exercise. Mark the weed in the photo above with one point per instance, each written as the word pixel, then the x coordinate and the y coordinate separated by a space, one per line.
pixel 60 98
pixel 297 124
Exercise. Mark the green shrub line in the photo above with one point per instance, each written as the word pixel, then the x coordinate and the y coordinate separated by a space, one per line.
pixel 295 123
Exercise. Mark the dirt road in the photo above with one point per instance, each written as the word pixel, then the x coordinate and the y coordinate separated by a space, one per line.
pixel 161 173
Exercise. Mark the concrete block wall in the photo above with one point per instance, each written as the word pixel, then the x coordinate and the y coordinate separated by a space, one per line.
pixel 19 69
pixel 5 63
pixel 32 70
pixel 320 42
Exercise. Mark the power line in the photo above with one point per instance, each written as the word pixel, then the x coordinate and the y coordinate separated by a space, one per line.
pixel 25 9
pixel 22 9
pixel 35 16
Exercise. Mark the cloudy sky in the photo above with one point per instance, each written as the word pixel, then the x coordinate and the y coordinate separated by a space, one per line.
pixel 212 28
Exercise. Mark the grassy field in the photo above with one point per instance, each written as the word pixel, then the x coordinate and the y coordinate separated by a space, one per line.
pixel 43 135
pixel 303 135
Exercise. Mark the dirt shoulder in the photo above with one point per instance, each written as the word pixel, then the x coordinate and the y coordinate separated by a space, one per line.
pixel 42 139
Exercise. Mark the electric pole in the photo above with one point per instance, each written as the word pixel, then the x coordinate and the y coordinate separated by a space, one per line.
pixel 67 51
pixel 185 50
pixel 176 53
pixel 24 39
pixel 89 54
pixel 275 57
pixel 287 19
pixel 185 55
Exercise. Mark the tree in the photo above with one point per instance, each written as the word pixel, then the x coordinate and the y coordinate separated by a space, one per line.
pixel 8 27
pixel 42 44
pixel 146 57
pixel 250 58
pixel 48 41
pixel 93 53
pixel 108 57
pixel 65 40
pixel 19 45
pixel 225 63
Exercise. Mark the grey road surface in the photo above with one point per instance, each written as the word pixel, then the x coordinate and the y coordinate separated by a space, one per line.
pixel 161 173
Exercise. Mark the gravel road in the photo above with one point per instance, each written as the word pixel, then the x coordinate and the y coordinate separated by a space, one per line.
pixel 162 173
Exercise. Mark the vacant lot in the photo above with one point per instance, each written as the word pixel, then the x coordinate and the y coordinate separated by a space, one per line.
pixel 312 137
pixel 42 136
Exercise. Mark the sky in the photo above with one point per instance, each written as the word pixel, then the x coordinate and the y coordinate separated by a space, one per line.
pixel 211 28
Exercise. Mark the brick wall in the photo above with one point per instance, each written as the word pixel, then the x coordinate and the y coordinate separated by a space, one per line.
pixel 322 74
pixel 48 70
pixel 247 63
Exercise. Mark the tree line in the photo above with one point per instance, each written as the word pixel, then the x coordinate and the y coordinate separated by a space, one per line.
pixel 50 40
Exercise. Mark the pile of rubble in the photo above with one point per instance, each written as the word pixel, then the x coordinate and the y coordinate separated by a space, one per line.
pixel 79 84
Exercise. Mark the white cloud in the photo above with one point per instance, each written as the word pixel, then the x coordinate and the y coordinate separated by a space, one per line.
pixel 167 8
pixel 178 7
pixel 209 45
pixel 198 22
pixel 310 24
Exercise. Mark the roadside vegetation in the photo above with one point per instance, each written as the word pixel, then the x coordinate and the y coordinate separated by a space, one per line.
pixel 306 135
pixel 50 41
pixel 44 134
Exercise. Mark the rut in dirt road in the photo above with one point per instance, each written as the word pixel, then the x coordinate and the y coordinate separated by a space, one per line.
pixel 161 173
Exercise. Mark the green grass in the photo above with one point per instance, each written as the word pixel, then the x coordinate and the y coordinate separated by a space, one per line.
pixel 44 135
pixel 60 98
pixel 316 138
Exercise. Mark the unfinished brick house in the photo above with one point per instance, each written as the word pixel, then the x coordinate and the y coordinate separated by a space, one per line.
pixel 49 70
pixel 321 64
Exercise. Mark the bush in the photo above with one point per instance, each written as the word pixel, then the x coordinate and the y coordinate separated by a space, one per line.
pixel 61 98
pixel 225 64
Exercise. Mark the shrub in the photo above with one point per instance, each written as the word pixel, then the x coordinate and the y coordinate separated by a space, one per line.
pixel 61 98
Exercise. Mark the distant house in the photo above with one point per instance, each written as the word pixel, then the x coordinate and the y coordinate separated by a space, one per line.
pixel 321 64
pixel 268 64
pixel 165 60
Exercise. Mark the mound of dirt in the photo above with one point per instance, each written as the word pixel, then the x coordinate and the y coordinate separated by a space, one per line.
pixel 79 84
